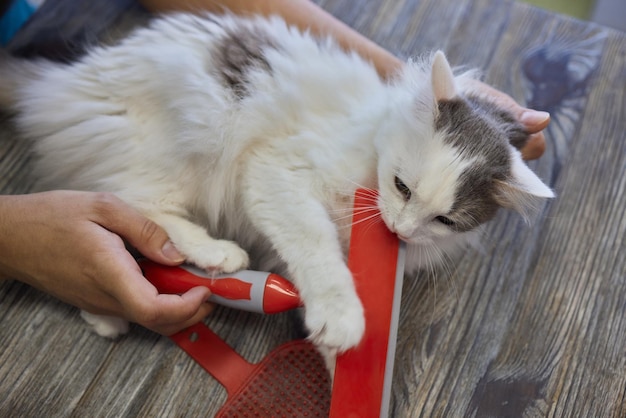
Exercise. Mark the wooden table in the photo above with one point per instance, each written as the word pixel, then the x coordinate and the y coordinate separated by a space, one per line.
pixel 533 324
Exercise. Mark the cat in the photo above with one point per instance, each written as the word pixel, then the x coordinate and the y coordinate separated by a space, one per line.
pixel 247 137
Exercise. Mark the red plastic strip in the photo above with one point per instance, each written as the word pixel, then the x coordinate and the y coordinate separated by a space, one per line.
pixel 359 381
pixel 215 356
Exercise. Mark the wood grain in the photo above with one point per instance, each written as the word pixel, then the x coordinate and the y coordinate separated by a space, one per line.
pixel 529 325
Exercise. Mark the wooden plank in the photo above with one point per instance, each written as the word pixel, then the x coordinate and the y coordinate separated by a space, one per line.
pixel 582 311
pixel 560 277
pixel 39 349
pixel 407 28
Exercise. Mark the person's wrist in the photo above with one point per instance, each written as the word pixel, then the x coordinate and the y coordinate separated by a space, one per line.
pixel 7 209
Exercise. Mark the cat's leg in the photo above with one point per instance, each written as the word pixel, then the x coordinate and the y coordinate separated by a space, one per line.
pixel 300 230
pixel 194 242
pixel 104 325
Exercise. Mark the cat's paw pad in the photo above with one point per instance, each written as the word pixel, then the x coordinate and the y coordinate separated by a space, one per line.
pixel 337 325
pixel 221 255
pixel 106 326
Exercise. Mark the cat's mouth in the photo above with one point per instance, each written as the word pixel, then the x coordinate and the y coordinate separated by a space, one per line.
pixel 403 238
pixel 415 239
pixel 406 238
pixel 409 239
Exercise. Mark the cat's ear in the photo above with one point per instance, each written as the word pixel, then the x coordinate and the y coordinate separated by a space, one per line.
pixel 523 190
pixel 442 78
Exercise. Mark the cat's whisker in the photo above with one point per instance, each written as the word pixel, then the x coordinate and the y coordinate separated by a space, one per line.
pixel 339 211
pixel 362 210
pixel 349 191
pixel 358 185
pixel 431 277
pixel 368 218
pixel 367 209
pixel 350 214
pixel 373 217
pixel 444 262
pixel 370 221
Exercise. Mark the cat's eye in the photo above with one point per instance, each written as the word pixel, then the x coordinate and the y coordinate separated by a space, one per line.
pixel 445 220
pixel 402 188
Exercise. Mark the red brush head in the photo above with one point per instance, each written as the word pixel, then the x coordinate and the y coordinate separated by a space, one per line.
pixel 280 295
pixel 291 381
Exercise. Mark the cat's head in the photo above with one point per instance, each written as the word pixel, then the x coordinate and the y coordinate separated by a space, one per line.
pixel 446 163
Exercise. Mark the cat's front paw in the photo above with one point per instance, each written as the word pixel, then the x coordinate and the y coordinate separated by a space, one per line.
pixel 336 323
pixel 106 326
pixel 218 255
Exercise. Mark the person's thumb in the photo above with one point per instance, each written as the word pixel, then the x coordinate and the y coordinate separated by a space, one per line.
pixel 146 236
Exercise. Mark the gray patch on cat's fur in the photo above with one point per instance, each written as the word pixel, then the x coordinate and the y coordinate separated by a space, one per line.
pixel 480 131
pixel 239 52
pixel 516 133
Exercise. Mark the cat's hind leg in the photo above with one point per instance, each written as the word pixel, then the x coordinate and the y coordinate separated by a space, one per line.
pixel 104 325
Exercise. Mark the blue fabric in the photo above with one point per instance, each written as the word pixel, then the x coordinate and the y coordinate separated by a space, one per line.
pixel 16 15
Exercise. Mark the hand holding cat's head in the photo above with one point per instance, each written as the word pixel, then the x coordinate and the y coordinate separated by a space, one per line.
pixel 449 163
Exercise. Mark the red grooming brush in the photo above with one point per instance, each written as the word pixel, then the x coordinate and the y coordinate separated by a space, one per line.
pixel 291 380
pixel 248 290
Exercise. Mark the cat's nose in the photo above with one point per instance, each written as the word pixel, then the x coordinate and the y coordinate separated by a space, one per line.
pixel 404 234
pixel 403 230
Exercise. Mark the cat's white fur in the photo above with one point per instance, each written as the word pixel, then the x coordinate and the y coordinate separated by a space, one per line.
pixel 275 171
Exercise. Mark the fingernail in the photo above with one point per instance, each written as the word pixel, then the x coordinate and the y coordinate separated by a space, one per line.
pixel 171 253
pixel 534 117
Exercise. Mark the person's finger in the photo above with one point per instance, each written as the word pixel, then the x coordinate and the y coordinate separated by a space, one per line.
pixel 171 313
pixel 535 147
pixel 146 236
pixel 203 311
pixel 534 120
pixel 143 303
pixel 184 307
pixel 140 301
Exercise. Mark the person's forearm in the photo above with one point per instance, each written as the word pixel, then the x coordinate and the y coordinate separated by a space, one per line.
pixel 301 13
pixel 9 207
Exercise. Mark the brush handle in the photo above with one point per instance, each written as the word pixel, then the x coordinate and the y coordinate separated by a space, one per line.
pixel 247 290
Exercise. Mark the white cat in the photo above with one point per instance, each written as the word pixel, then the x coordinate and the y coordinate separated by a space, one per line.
pixel 247 136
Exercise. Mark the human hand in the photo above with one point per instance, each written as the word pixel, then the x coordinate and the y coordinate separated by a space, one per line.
pixel 534 121
pixel 70 245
